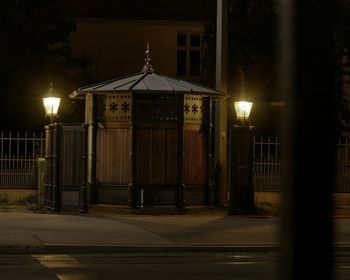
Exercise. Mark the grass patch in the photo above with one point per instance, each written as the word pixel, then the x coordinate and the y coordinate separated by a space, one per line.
pixel 30 199
pixel 4 199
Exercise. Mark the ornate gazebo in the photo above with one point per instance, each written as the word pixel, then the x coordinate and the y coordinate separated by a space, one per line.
pixel 149 140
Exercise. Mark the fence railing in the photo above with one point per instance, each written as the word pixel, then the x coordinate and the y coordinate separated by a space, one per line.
pixel 267 165
pixel 342 166
pixel 18 159
pixel 19 154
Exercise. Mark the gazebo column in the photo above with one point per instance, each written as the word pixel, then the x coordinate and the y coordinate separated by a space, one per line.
pixel 91 120
pixel 132 188
pixel 180 203
pixel 209 159
pixel 83 200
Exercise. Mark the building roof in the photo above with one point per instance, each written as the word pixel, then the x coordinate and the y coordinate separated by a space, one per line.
pixel 146 82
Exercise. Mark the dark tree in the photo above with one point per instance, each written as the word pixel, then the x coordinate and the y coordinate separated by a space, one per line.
pixel 253 46
pixel 34 51
pixel 342 37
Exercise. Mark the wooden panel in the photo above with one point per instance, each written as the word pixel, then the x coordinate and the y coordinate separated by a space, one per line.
pixel 113 162
pixel 195 157
pixel 156 156
pixel 71 151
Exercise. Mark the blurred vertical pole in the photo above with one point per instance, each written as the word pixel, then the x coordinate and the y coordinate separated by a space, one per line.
pixel 220 155
pixel 307 82
pixel 91 120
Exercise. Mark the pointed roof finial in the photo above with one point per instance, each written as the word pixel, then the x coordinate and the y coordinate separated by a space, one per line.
pixel 148 67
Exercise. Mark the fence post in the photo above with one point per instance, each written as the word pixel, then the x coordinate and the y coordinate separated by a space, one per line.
pixel 41 180
pixel 55 167
pixel 48 158
pixel 241 188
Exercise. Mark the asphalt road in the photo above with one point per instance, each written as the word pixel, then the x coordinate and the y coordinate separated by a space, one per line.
pixel 136 266
pixel 150 266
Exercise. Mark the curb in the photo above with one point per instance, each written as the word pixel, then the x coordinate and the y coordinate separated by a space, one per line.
pixel 60 249
pixel 124 249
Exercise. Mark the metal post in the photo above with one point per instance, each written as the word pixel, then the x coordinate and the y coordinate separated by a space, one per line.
pixel 41 181
pixel 180 203
pixel 55 167
pixel 220 156
pixel 132 185
pixel 83 203
pixel 210 182
pixel 241 189
pixel 91 102
pixel 48 157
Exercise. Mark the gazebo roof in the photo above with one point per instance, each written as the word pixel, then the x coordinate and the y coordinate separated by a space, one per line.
pixel 147 81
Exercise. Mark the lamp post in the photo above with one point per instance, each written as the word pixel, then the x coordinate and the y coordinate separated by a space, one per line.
pixel 241 200
pixel 51 103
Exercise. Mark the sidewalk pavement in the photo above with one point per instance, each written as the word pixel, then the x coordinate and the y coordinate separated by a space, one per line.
pixel 106 230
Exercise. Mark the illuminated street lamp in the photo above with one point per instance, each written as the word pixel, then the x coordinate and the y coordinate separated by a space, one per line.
pixel 241 160
pixel 51 103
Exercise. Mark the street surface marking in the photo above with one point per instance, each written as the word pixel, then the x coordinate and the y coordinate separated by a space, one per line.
pixel 64 266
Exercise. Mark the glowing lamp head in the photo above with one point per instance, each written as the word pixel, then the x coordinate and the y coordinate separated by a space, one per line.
pixel 243 109
pixel 51 103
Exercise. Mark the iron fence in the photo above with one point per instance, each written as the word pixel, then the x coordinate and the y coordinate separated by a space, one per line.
pixel 342 166
pixel 19 154
pixel 18 159
pixel 267 165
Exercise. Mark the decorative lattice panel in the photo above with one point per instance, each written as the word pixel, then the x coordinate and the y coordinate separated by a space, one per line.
pixel 117 107
pixel 157 196
pixel 193 109
pixel 70 197
pixel 194 195
pixel 157 108
pixel 112 194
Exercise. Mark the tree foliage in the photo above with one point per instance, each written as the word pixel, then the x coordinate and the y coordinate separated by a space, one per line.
pixel 253 46
pixel 34 51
